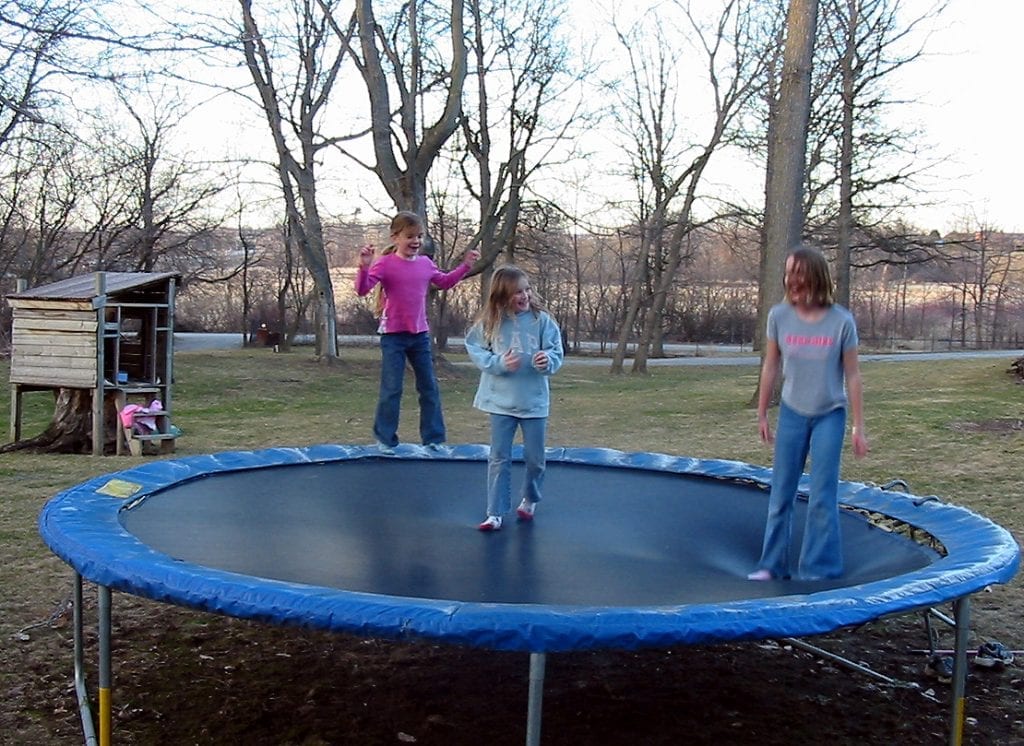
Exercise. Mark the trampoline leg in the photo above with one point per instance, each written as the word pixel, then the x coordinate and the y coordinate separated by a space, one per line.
pixel 104 703
pixel 930 631
pixel 962 617
pixel 534 709
pixel 81 687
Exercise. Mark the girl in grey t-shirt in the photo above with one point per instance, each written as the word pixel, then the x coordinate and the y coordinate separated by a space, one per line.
pixel 813 343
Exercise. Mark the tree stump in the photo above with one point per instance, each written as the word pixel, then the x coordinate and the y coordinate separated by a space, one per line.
pixel 70 430
pixel 1017 368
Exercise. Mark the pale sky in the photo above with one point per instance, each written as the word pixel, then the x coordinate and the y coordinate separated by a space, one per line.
pixel 965 100
pixel 970 107
pixel 968 104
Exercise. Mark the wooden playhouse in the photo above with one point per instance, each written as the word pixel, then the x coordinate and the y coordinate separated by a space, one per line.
pixel 111 333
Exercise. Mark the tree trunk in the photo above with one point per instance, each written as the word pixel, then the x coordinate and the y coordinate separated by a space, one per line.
pixel 787 153
pixel 70 431
pixel 632 312
pixel 404 178
pixel 296 171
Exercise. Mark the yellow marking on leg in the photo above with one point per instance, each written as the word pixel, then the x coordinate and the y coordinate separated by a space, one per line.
pixel 104 716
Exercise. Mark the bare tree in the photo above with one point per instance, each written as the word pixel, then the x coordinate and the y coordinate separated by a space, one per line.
pixel 983 263
pixel 99 194
pixel 668 175
pixel 46 43
pixel 860 169
pixel 108 197
pixel 292 113
pixel 787 137
pixel 519 112
pixel 41 193
pixel 404 60
pixel 169 196
pixel 865 39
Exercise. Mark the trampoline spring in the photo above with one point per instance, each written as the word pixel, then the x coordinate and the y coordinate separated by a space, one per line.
pixel 892 483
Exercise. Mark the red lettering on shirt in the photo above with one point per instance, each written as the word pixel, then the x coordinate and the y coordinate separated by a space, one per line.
pixel 801 340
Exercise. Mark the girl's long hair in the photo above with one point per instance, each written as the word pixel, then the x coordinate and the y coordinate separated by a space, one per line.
pixel 401 221
pixel 819 279
pixel 504 284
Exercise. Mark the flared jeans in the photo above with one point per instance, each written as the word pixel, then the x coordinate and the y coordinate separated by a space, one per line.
pixel 796 438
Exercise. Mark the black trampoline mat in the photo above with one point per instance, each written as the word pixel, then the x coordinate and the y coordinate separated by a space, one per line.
pixel 603 536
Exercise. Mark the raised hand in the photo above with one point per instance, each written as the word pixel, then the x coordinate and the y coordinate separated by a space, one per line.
pixel 366 255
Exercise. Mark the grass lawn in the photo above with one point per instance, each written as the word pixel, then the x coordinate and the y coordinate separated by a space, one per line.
pixel 953 429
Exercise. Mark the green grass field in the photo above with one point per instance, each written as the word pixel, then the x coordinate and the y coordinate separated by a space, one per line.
pixel 954 429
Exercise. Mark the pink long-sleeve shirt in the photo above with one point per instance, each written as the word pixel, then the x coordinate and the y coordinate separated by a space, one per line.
pixel 405 283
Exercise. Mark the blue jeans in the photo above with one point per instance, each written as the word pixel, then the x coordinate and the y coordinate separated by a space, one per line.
pixel 395 348
pixel 821 552
pixel 499 463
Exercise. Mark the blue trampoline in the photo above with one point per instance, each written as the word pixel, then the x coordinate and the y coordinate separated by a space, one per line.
pixel 627 551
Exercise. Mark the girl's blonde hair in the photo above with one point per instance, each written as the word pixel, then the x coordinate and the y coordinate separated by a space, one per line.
pixel 504 284
pixel 401 221
pixel 405 219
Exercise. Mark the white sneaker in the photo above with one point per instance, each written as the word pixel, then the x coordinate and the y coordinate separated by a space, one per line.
pixel 525 510
pixel 493 523
pixel 385 449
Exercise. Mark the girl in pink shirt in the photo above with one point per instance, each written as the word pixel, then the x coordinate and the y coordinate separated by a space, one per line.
pixel 405 276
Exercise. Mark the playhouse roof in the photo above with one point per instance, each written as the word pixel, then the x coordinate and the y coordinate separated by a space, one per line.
pixel 84 286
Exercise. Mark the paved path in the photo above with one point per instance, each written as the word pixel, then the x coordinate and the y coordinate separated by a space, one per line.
pixel 755 360
pixel 685 354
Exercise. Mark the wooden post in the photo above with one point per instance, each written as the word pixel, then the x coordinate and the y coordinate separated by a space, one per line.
pixel 16 411
pixel 16 400
pixel 98 393
pixel 169 348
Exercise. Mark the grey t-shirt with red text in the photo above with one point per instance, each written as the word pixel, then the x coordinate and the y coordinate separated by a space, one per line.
pixel 812 357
